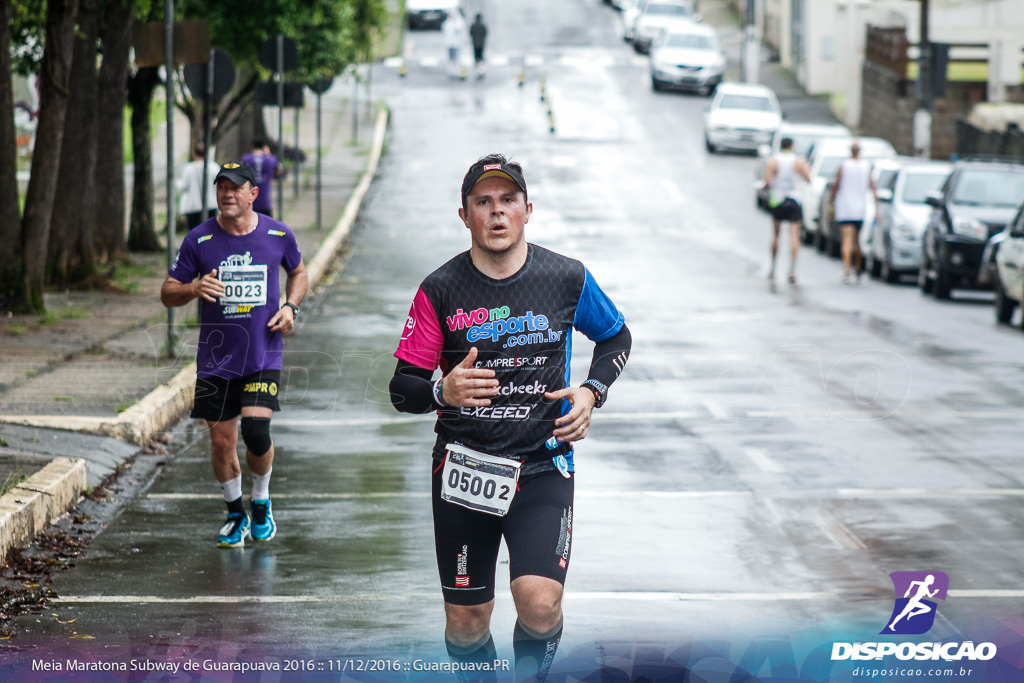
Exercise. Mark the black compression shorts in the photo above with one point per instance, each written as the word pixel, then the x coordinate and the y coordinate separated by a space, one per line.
pixel 788 210
pixel 537 531
pixel 218 399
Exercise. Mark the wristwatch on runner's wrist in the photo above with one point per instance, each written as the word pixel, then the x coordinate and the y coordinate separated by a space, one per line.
pixel 599 389
pixel 295 309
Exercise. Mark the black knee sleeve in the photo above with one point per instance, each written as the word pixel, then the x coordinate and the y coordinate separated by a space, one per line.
pixel 256 435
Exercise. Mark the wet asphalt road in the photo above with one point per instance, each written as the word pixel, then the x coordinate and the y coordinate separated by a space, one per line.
pixel 770 455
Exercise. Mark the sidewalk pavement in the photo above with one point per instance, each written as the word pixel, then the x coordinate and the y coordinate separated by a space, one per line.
pixel 93 367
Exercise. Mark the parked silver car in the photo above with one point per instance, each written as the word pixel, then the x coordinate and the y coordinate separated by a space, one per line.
pixel 894 243
pixel 687 56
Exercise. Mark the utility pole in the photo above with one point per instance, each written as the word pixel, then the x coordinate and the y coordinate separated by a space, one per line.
pixel 856 66
pixel 751 56
pixel 926 99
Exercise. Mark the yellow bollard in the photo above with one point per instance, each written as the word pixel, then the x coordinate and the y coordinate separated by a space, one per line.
pixel 402 69
pixel 551 121
pixel 522 77
pixel 543 87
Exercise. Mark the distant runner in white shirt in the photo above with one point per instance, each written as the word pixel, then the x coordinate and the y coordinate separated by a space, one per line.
pixel 454 30
pixel 850 198
pixel 781 177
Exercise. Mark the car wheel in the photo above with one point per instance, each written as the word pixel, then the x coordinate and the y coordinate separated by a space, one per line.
pixel 874 265
pixel 708 146
pixel 805 236
pixel 819 239
pixel 943 282
pixel 656 85
pixel 835 247
pixel 887 272
pixel 924 281
pixel 1004 305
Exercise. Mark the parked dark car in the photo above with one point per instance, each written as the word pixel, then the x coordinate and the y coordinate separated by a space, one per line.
pixel 976 202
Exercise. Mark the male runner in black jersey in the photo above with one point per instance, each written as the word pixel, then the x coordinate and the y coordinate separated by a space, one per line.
pixel 498 321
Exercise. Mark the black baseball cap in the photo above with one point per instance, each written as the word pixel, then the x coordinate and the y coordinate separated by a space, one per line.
pixel 237 172
pixel 488 167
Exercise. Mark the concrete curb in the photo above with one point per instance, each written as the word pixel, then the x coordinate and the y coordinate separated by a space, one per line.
pixel 139 424
pixel 37 502
pixel 168 402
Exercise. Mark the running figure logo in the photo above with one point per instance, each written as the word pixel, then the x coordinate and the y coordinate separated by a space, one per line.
pixel 914 613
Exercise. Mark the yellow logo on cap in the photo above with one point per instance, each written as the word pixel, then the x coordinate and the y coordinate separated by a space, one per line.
pixel 229 166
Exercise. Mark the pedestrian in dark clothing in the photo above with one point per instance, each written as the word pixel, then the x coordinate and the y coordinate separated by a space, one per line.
pixel 478 32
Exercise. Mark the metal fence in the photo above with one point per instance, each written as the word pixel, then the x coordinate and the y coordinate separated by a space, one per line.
pixel 972 141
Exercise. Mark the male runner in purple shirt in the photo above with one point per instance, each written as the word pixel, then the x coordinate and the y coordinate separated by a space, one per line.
pixel 267 167
pixel 233 261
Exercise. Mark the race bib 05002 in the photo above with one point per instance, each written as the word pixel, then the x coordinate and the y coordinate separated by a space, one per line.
pixel 477 481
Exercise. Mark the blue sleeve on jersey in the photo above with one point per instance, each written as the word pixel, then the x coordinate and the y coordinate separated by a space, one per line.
pixel 596 315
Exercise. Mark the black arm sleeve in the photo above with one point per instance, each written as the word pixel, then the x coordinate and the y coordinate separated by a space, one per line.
pixel 610 357
pixel 411 389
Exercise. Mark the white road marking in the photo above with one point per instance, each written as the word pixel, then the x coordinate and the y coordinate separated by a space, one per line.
pixel 360 421
pixel 425 494
pixel 534 60
pixel 915 493
pixel 985 593
pixel 642 596
pixel 622 596
pixel 764 460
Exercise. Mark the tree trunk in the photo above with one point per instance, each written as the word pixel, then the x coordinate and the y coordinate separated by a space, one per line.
pixel 116 36
pixel 42 186
pixel 71 258
pixel 10 219
pixel 141 232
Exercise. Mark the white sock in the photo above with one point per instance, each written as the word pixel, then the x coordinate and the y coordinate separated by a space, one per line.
pixel 260 486
pixel 232 488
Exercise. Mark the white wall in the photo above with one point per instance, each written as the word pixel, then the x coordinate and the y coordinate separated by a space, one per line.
pixel 834 47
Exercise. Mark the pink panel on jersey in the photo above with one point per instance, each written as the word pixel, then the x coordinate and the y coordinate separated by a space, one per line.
pixel 422 339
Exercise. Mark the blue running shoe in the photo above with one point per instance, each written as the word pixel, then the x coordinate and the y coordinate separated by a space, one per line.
pixel 263 526
pixel 234 531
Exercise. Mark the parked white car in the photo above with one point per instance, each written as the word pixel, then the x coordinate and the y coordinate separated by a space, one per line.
pixel 657 17
pixel 825 157
pixel 893 245
pixel 803 135
pixel 1009 281
pixel 741 116
pixel 687 56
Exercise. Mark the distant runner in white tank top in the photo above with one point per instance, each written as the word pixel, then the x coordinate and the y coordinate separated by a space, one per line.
pixel 850 198
pixel 781 176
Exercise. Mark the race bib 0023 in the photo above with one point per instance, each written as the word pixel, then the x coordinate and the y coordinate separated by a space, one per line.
pixel 244 285
pixel 477 481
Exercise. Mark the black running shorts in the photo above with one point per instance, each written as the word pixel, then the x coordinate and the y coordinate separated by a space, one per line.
pixel 788 210
pixel 537 531
pixel 856 225
pixel 218 399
